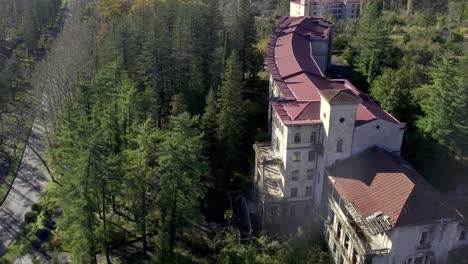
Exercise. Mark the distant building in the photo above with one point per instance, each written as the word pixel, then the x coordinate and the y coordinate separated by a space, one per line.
pixel 335 154
pixel 339 9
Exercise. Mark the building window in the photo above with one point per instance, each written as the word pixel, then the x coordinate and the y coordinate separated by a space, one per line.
pixel 308 191
pixel 297 138
pixel 306 209
pixel 296 156
pixel 324 115
pixel 338 230
pixel 313 137
pixel 293 192
pixel 295 175
pixel 346 242
pixel 424 239
pixel 339 146
pixel 310 174
pixel 462 236
pixel 292 210
pixel 311 155
pixel 419 260
pixel 342 120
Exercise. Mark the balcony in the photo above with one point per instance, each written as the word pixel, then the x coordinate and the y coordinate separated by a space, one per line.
pixel 378 252
pixel 266 154
pixel 424 246
pixel 268 169
pixel 366 244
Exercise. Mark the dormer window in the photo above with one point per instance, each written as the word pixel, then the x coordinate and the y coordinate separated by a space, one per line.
pixel 339 146
pixel 297 138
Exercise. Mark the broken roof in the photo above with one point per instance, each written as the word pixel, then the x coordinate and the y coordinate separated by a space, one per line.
pixel 375 181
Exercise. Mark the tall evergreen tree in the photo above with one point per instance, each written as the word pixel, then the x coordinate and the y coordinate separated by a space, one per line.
pixel 230 116
pixel 390 90
pixel 140 175
pixel 371 42
pixel 180 167
pixel 444 103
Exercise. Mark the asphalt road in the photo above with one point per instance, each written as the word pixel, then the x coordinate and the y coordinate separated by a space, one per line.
pixel 27 188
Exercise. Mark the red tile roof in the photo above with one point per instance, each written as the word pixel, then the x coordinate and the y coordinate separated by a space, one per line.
pixel 376 181
pixel 298 76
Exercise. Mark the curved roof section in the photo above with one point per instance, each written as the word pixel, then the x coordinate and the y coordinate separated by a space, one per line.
pixel 299 78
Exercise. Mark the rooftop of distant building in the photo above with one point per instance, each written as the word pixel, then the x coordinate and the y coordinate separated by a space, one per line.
pixel 329 1
pixel 298 76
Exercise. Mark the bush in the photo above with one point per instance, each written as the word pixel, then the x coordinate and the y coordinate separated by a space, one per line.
pixel 30 217
pixel 36 207
pixel 36 244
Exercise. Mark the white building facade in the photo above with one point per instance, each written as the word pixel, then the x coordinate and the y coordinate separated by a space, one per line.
pixel 317 124
pixel 339 9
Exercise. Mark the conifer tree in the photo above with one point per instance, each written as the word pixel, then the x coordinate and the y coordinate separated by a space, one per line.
pixel 444 103
pixel 179 167
pixel 140 175
pixel 209 124
pixel 390 91
pixel 230 116
pixel 371 42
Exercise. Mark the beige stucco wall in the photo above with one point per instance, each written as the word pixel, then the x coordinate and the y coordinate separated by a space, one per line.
pixel 335 130
pixel 378 132
pixel 443 237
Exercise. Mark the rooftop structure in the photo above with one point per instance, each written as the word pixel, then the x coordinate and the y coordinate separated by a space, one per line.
pixel 334 149
pixel 298 68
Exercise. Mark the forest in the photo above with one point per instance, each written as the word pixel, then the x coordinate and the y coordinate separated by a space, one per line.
pixel 152 107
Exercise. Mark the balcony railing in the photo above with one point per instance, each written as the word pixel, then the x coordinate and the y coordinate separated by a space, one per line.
pixel 360 242
pixel 378 252
pixel 266 154
pixel 423 246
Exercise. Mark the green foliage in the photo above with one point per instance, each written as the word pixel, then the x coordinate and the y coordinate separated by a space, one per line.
pixel 390 90
pixel 372 43
pixel 444 103
pixel 230 117
pixel 264 250
pixel 30 217
pixel 180 169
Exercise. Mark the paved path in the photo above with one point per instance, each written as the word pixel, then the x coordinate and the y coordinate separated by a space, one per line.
pixel 28 187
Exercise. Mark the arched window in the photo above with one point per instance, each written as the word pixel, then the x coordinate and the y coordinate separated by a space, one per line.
pixel 339 146
pixel 297 138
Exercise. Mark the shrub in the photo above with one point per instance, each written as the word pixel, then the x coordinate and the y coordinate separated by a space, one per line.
pixel 36 207
pixel 30 217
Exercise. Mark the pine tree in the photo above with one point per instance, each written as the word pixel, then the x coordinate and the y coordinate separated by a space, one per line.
pixel 390 90
pixel 444 103
pixel 180 168
pixel 230 116
pixel 140 176
pixel 371 42
pixel 209 125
